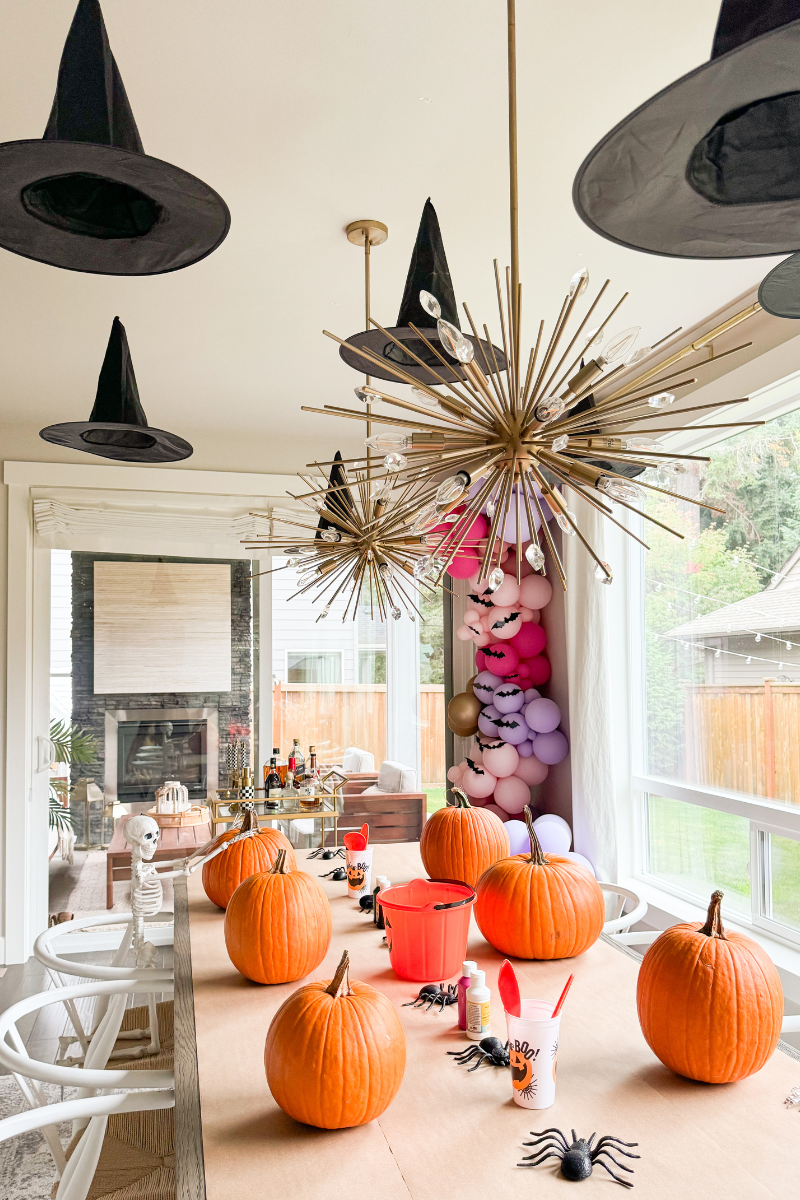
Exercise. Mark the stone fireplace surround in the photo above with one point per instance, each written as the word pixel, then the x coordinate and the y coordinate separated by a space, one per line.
pixel 89 710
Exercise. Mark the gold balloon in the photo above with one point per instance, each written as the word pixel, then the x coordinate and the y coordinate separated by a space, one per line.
pixel 470 683
pixel 462 714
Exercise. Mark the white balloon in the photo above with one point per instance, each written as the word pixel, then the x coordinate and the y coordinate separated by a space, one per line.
pixel 554 834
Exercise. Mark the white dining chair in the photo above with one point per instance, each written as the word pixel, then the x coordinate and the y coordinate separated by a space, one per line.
pixel 618 927
pixel 101 1092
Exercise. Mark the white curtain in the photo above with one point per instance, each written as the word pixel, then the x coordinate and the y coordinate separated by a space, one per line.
pixel 590 695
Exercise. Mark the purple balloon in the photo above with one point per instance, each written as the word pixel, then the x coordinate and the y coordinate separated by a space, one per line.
pixel 525 749
pixel 542 715
pixel 518 837
pixel 573 856
pixel 487 721
pixel 531 694
pixel 550 748
pixel 484 685
pixel 508 697
pixel 513 729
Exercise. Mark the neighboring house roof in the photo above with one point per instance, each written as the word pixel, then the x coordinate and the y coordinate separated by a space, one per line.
pixel 769 611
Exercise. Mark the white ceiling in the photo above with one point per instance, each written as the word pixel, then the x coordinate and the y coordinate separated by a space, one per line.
pixel 306 116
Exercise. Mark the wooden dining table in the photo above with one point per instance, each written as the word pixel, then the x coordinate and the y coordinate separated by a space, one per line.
pixel 450 1132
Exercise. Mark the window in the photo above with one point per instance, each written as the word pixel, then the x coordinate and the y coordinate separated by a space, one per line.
pixel 314 666
pixel 372 666
pixel 719 774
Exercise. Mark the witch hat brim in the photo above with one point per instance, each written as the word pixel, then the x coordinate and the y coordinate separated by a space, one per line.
pixel 86 197
pixel 117 427
pixel 653 182
pixel 779 293
pixel 428 271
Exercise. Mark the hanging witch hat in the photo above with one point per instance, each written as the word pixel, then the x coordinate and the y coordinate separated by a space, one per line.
pixel 710 166
pixel 428 272
pixel 340 502
pixel 117 427
pixel 86 197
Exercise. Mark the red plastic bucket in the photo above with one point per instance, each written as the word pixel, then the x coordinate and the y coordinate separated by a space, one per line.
pixel 427 925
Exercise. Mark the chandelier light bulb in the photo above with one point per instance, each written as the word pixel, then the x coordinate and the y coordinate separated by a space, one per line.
pixel 386 572
pixel 330 535
pixel 424 398
pixel 451 489
pixel 425 518
pixel 454 342
pixel 550 409
pixel 621 345
pixel 387 441
pixel 618 489
pixel 431 305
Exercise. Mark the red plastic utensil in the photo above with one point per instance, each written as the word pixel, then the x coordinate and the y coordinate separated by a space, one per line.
pixel 508 986
pixel 365 835
pixel 562 997
pixel 355 841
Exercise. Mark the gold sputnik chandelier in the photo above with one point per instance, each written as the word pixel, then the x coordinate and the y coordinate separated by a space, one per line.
pixel 504 438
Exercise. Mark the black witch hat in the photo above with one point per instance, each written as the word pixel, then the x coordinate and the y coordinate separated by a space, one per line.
pixel 340 502
pixel 117 427
pixel 709 167
pixel 86 197
pixel 428 272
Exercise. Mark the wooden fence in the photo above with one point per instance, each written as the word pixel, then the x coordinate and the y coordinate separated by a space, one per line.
pixel 745 738
pixel 334 716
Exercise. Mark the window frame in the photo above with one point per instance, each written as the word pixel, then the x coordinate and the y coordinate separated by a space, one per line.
pixel 764 816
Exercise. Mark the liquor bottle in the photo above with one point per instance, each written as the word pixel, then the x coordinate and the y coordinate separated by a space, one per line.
pixel 299 763
pixel 313 776
pixel 280 763
pixel 272 786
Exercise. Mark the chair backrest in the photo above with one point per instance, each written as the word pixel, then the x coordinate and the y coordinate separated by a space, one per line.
pixel 356 760
pixel 46 954
pixel 623 921
pixel 395 777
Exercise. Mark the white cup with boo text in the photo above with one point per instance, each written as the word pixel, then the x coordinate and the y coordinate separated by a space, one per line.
pixel 359 872
pixel 533 1049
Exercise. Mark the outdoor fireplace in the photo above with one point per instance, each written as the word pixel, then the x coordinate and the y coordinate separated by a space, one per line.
pixel 145 747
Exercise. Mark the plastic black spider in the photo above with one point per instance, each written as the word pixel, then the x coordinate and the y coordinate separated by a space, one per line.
pixel 434 993
pixel 366 903
pixel 490 1050
pixel 322 852
pixel 337 874
pixel 578 1159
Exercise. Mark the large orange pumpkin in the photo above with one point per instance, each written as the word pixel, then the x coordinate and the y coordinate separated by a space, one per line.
pixel 459 842
pixel 223 874
pixel 278 925
pixel 539 905
pixel 710 1003
pixel 335 1053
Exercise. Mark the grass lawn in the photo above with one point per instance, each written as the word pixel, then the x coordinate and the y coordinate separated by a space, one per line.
pixel 437 797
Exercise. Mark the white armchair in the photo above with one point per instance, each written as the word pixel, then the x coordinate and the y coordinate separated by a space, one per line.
pixel 393 778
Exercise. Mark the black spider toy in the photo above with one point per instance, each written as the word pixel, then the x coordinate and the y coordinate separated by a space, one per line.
pixel 490 1050
pixel 337 874
pixel 434 993
pixel 322 852
pixel 578 1159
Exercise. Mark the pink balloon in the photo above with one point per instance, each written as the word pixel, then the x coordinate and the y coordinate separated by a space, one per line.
pixel 463 565
pixel 531 770
pixel 476 754
pixel 480 660
pixel 479 801
pixel 501 760
pixel 543 716
pixel 471 616
pixel 540 670
pixel 479 593
pixel 507 594
pixel 551 748
pixel 573 856
pixel 455 773
pixel 528 614
pixel 476 781
pixel 481 639
pixel 510 566
pixel 464 633
pixel 497 810
pixel 524 673
pixel 504 623
pixel 501 658
pixel 529 640
pixel 535 591
pixel 512 794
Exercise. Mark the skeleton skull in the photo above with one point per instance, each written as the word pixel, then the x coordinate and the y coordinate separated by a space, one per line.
pixel 144 832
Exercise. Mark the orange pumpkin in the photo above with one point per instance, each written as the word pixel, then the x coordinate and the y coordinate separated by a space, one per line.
pixel 335 1053
pixel 459 842
pixel 710 1003
pixel 278 925
pixel 539 905
pixel 223 874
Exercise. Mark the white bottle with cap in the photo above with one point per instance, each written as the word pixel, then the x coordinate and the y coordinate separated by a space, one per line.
pixel 478 1003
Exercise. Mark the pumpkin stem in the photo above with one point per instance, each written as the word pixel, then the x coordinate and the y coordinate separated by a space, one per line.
pixel 279 866
pixel 537 855
pixel 340 984
pixel 713 926
pixel 249 821
pixel 462 799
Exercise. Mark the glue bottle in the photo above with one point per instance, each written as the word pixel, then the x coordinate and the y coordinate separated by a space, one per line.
pixel 462 986
pixel 478 998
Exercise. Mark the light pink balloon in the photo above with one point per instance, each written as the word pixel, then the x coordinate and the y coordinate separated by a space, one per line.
pixel 543 715
pixel 573 856
pixel 471 616
pixel 476 781
pixel 455 773
pixel 510 566
pixel 526 615
pixel 498 811
pixel 500 760
pixel 482 639
pixel 535 591
pixel 504 623
pixel 512 794
pixel 479 801
pixel 476 754
pixel 507 594
pixel 551 748
pixel 464 633
pixel 531 770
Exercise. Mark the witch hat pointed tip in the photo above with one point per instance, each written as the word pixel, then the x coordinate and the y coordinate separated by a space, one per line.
pixel 428 271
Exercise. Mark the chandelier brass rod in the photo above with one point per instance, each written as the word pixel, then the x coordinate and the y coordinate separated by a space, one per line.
pixel 497 373
pixel 550 386
pixel 549 352
pixel 512 143
pixel 518 547
pixel 389 399
pixel 503 327
pixel 513 339
pixel 489 373
pixel 531 483
pixel 666 492
pixel 625 455
pixel 398 372
pixel 473 397
pixel 475 374
pixel 499 503
pixel 531 369
pixel 425 366
pixel 656 383
pixel 652 411
pixel 506 508
pixel 383 420
pixel 592 500
pixel 465 523
pixel 647 517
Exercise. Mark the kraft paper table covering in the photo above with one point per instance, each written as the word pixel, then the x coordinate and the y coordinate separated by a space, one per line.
pixel 449 1133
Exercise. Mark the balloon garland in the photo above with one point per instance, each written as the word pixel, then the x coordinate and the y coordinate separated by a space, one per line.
pixel 516 728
